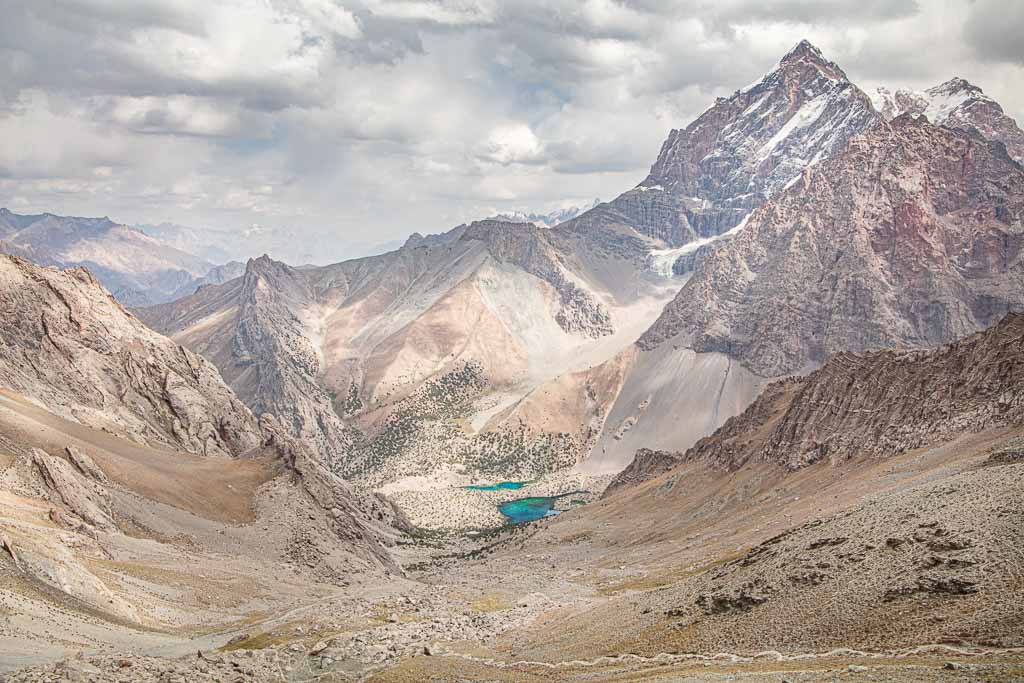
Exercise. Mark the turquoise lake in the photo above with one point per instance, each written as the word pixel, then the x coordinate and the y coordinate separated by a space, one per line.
pixel 523 510
pixel 500 486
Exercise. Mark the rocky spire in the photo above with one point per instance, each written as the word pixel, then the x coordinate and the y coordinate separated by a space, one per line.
pixel 805 53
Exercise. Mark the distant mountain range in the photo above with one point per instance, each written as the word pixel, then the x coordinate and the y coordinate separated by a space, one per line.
pixel 544 220
pixel 137 268
pixel 221 245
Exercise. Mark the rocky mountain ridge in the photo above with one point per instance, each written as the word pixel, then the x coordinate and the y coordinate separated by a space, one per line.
pixel 70 345
pixel 512 345
pixel 378 361
pixel 74 351
pixel 742 151
pixel 866 405
pixel 881 404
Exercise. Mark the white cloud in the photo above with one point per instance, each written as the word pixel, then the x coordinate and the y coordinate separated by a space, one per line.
pixel 513 144
pixel 369 119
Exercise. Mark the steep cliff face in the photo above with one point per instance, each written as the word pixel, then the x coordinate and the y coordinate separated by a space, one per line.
pixel 275 365
pixel 742 151
pixel 958 104
pixel 880 404
pixel 69 345
pixel 911 237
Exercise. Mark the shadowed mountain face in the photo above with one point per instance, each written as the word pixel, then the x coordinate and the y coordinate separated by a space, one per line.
pixel 138 269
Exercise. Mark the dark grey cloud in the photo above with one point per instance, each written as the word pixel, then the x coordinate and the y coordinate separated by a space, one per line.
pixel 995 30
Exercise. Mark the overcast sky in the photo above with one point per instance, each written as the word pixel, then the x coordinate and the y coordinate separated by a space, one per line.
pixel 377 118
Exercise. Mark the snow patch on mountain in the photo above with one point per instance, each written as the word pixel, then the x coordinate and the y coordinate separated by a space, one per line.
pixel 662 261
pixel 803 118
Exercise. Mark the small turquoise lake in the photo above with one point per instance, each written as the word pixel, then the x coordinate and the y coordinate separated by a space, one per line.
pixel 500 486
pixel 523 510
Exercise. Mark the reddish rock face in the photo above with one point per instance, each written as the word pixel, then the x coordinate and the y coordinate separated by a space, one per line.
pixel 911 237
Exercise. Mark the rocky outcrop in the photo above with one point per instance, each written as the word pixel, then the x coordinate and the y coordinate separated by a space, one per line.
pixel 80 497
pixel 911 237
pixel 85 464
pixel 879 404
pixel 959 104
pixel 647 464
pixel 358 517
pixel 70 346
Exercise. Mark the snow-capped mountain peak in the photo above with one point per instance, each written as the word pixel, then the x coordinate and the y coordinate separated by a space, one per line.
pixel 957 103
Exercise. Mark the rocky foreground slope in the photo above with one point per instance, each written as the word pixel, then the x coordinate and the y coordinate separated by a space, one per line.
pixel 876 404
pixel 132 479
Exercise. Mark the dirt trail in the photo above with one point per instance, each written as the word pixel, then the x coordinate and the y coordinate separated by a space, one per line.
pixel 934 649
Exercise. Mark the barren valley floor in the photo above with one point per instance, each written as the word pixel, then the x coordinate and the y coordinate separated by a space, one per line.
pixel 595 594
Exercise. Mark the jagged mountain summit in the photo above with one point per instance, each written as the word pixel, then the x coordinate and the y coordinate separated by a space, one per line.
pixel 959 104
pixel 742 151
pixel 139 269
pixel 911 237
